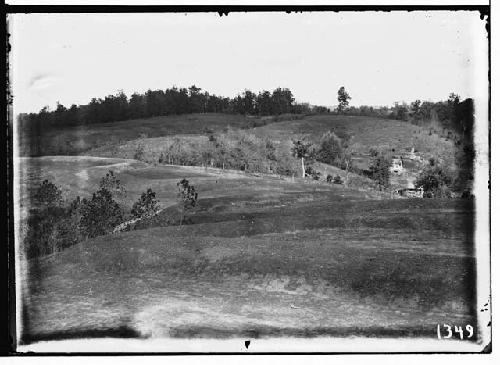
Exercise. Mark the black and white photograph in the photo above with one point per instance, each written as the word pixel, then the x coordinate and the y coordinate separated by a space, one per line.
pixel 256 180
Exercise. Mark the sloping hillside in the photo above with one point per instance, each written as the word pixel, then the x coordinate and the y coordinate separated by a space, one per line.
pixel 78 139
pixel 364 133
pixel 262 255
pixel 396 269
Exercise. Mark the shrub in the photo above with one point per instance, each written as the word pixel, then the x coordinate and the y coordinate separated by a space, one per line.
pixel 146 205
pixel 100 214
pixel 48 194
pixel 329 178
pixel 312 173
pixel 337 180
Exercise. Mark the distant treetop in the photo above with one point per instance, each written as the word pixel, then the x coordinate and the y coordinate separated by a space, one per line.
pixel 173 101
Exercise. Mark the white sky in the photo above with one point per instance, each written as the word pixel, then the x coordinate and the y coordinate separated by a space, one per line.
pixel 379 57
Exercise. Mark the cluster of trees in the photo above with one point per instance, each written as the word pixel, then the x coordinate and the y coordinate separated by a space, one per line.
pixel 235 149
pixel 436 181
pixel 369 111
pixel 439 181
pixel 338 152
pixel 452 119
pixel 52 227
pixel 242 150
pixel 453 114
pixel 245 151
pixel 280 101
pixel 165 102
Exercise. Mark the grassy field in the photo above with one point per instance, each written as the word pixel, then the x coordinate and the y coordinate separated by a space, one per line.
pixel 80 139
pixel 189 281
pixel 263 256
pixel 80 176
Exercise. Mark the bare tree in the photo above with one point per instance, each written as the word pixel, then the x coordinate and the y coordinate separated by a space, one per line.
pixel 302 149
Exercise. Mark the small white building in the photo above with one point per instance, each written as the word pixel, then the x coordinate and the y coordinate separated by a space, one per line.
pixel 396 166
pixel 409 193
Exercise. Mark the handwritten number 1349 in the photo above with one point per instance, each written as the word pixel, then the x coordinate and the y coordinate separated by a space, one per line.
pixel 448 331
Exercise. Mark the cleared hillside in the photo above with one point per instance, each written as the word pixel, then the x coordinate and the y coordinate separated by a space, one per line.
pixel 78 139
pixel 364 133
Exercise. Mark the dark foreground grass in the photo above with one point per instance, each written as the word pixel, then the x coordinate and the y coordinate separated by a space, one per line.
pixel 251 215
pixel 190 281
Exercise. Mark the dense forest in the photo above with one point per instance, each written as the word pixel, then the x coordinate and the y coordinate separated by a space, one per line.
pixel 173 101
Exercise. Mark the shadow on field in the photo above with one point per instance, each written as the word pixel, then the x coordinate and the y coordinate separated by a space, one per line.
pixel 119 332
pixel 125 332
pixel 268 331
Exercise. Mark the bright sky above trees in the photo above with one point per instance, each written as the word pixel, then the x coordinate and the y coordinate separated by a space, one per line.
pixel 379 57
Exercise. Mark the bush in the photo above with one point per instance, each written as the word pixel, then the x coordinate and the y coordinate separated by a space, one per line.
pixel 100 214
pixel 436 182
pixel 329 178
pixel 146 205
pixel 312 173
pixel 48 194
pixel 337 180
